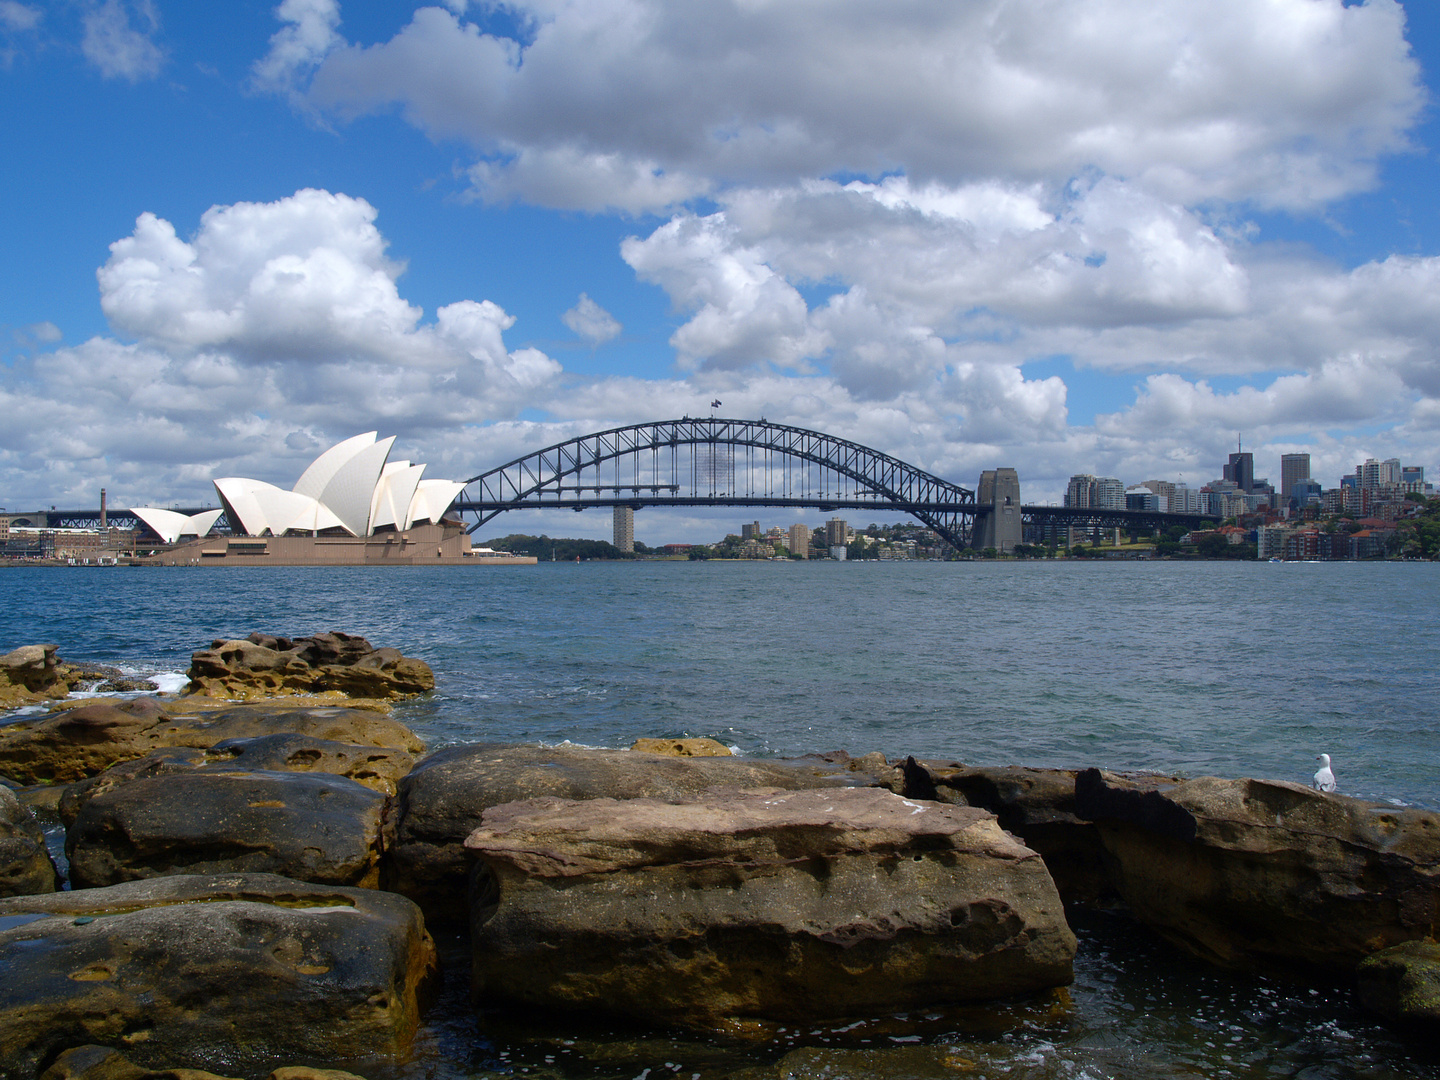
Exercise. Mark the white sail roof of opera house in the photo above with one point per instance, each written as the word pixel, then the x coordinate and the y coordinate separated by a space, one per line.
pixel 170 525
pixel 351 486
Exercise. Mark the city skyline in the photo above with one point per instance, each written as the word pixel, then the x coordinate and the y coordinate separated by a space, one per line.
pixel 237 234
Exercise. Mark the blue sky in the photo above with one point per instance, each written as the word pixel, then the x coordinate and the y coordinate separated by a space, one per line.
pixel 1080 236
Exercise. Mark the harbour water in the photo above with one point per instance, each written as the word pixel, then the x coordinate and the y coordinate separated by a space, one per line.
pixel 1227 669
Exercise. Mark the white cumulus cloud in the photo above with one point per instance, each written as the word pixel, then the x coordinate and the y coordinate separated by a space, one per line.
pixel 591 322
pixel 1287 103
pixel 119 39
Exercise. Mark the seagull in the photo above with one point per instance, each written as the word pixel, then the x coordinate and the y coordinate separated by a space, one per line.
pixel 1324 778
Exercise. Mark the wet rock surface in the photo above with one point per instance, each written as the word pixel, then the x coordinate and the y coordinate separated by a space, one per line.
pixel 25 866
pixel 308 826
pixel 1402 984
pixel 1247 873
pixel 790 905
pixel 81 742
pixel 263 665
pixel 682 747
pixel 440 803
pixel 229 973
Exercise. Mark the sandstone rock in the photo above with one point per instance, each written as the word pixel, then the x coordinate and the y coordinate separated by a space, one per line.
pixel 263 665
pixel 31 673
pixel 377 767
pixel 1248 873
pixel 105 1063
pixel 793 906
pixel 682 747
pixel 1037 805
pixel 84 741
pixel 230 973
pixel 1402 984
pixel 25 866
pixel 307 826
pixel 440 803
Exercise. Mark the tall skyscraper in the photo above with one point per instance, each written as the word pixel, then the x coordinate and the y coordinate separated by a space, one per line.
pixel 1241 470
pixel 1292 467
pixel 625 528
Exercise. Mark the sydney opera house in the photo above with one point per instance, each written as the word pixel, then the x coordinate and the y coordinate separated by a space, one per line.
pixel 351 506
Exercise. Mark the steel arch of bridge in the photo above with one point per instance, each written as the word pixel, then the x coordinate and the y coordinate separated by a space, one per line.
pixel 693 462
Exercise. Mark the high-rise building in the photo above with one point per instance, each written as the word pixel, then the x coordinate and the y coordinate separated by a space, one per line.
pixel 1109 494
pixel 1367 476
pixel 1241 470
pixel 625 528
pixel 799 540
pixel 1293 467
pixel 836 533
pixel 1079 490
pixel 750 531
pixel 1412 474
pixel 1305 491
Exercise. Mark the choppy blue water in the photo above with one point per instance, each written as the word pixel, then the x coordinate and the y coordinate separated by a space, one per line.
pixel 1213 668
pixel 1194 669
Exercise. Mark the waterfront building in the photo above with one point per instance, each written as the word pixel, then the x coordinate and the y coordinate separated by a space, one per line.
pixel 837 534
pixel 799 540
pixel 625 528
pixel 1293 468
pixel 170 525
pixel 750 531
pixel 1270 541
pixel 352 488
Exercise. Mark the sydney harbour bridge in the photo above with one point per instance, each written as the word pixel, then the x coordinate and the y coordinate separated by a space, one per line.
pixel 709 461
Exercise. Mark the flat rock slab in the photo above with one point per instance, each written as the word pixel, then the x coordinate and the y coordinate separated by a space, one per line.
pixel 376 767
pixel 25 866
pixel 440 803
pixel 1260 873
pixel 82 742
pixel 228 973
pixel 308 826
pixel 794 906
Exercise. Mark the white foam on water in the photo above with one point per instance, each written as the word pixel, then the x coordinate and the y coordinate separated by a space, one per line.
pixel 170 682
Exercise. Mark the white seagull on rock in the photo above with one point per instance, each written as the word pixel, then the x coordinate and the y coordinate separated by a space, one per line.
pixel 1324 778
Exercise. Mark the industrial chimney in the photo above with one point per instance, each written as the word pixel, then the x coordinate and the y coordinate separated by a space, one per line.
pixel 102 508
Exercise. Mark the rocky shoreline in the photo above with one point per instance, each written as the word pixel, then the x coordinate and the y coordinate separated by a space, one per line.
pixel 251 876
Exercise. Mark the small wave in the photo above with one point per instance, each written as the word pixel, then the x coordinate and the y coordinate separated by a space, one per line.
pixel 170 682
